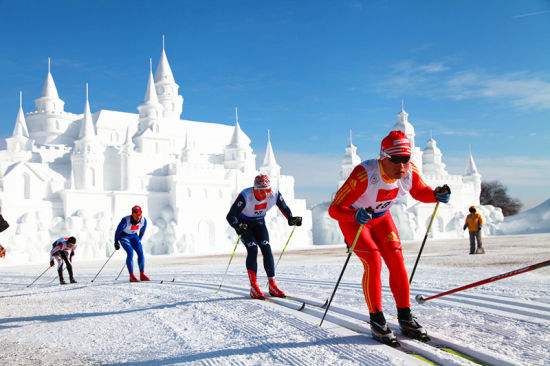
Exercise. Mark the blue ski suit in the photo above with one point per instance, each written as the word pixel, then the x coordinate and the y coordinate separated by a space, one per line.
pixel 129 234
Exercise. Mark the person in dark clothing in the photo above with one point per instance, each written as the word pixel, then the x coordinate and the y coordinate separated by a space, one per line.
pixel 247 217
pixel 63 250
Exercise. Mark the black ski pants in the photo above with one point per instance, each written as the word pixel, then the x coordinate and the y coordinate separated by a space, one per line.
pixel 62 257
pixel 256 235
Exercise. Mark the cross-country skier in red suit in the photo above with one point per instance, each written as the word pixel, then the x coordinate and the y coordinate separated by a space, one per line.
pixel 365 198
pixel 246 216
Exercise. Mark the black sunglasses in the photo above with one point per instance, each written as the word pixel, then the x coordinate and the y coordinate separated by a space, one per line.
pixel 400 159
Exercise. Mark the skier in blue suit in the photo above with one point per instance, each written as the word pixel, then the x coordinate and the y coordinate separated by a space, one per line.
pixel 128 235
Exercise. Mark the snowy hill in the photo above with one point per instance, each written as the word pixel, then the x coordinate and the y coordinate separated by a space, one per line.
pixel 534 220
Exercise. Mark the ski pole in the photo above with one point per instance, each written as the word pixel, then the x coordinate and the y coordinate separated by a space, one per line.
pixel 424 242
pixel 104 264
pixel 350 252
pixel 421 299
pixel 119 273
pixel 228 264
pixel 40 275
pixel 284 248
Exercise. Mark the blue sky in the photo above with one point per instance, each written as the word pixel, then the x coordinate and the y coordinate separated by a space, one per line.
pixel 471 72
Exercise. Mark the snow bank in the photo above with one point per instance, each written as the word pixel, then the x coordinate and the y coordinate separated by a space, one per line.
pixel 534 220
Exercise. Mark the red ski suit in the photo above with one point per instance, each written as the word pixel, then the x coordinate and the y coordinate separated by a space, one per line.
pixel 379 237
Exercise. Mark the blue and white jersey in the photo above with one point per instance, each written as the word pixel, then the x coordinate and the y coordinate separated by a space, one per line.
pixel 247 208
pixel 254 209
pixel 126 227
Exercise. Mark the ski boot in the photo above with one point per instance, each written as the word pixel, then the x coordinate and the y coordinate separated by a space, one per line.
pixel 410 327
pixel 72 280
pixel 133 278
pixel 143 277
pixel 274 290
pixel 480 250
pixel 255 291
pixel 380 330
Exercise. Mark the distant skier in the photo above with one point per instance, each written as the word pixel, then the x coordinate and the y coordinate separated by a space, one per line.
pixel 246 216
pixel 63 250
pixel 3 226
pixel 473 223
pixel 129 233
pixel 366 198
pixel 2 252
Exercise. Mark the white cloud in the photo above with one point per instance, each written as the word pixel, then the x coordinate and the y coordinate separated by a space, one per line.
pixel 525 90
pixel 530 14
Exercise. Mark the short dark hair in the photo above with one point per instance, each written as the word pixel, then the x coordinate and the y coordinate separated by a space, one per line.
pixel 472 209
pixel 72 240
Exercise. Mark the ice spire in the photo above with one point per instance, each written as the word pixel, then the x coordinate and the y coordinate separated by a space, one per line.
pixel 471 169
pixel 151 93
pixel 128 141
pixel 238 138
pixel 269 158
pixel 402 123
pixel 164 72
pixel 87 130
pixel 270 166
pixel 49 101
pixel 20 123
pixel 48 88
pixel 350 160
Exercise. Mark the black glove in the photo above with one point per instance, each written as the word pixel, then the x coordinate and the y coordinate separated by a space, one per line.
pixel 51 262
pixel 465 226
pixel 295 221
pixel 442 194
pixel 117 245
pixel 241 228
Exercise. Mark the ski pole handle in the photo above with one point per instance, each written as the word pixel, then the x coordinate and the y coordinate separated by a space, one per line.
pixel 421 299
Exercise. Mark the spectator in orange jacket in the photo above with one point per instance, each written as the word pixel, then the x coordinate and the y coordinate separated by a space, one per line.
pixel 473 223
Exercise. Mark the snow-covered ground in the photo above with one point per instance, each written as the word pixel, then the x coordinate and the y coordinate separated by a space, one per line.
pixel 114 322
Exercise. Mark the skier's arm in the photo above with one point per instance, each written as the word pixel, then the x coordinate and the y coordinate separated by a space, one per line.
pixel 357 183
pixel 120 227
pixel 420 191
pixel 235 211
pixel 285 210
pixel 142 230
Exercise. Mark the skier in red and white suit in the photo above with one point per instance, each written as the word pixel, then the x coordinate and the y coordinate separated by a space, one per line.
pixel 365 198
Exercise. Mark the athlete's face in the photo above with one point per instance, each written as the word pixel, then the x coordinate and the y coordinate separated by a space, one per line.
pixel 262 194
pixel 396 167
pixel 136 216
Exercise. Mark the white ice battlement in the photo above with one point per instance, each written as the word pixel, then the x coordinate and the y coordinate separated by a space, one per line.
pixel 83 172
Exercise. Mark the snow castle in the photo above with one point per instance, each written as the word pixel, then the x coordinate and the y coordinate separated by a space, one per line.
pixel 64 173
pixel 410 216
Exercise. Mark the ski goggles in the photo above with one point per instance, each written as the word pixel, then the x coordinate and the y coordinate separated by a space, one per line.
pixel 400 159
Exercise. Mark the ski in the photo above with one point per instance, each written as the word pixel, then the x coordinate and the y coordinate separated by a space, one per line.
pixel 318 304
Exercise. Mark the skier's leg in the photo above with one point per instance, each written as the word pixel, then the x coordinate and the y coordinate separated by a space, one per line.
pixel 60 268
pixel 472 242
pixel 69 266
pixel 251 246
pixel 385 235
pixel 367 252
pixel 126 245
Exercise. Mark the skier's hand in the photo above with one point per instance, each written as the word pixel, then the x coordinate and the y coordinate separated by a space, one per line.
pixel 442 193
pixel 465 226
pixel 117 245
pixel 2 252
pixel 241 228
pixel 295 221
pixel 363 215
pixel 51 262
